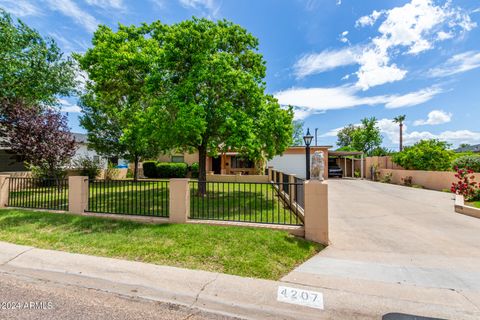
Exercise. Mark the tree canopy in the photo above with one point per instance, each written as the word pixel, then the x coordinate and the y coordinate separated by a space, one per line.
pixel 297 133
pixel 32 68
pixel 365 137
pixel 431 155
pixel 115 102
pixel 210 90
pixel 39 137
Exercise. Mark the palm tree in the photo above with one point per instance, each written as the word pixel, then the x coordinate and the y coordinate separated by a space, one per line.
pixel 399 120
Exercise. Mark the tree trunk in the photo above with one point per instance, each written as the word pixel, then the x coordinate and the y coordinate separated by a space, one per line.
pixel 202 170
pixel 135 169
pixel 401 136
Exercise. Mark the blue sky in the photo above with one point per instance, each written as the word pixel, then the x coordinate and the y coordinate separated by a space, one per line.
pixel 337 61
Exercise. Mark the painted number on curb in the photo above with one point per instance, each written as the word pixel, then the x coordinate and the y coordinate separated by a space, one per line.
pixel 301 297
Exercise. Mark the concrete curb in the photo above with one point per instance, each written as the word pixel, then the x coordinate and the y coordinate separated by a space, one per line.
pixel 460 207
pixel 214 292
pixel 232 295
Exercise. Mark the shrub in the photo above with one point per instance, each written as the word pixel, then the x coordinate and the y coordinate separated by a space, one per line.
pixel 111 173
pixel 172 170
pixel 408 181
pixel 87 166
pixel 150 169
pixel 430 155
pixel 387 178
pixel 465 186
pixel 471 162
pixel 194 170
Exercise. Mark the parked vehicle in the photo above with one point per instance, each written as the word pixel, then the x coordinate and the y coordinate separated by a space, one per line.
pixel 334 169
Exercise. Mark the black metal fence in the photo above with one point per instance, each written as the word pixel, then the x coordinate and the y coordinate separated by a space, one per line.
pixel 242 202
pixel 38 193
pixel 299 196
pixel 145 198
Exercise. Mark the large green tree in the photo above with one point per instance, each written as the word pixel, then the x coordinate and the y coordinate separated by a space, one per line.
pixel 33 70
pixel 209 87
pixel 115 102
pixel 365 137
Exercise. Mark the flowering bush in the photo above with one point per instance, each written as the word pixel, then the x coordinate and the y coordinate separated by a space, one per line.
pixel 465 186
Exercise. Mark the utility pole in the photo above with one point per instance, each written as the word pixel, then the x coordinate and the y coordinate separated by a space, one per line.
pixel 316 129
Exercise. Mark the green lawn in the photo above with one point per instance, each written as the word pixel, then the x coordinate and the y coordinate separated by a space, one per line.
pixel 247 202
pixel 252 252
pixel 475 204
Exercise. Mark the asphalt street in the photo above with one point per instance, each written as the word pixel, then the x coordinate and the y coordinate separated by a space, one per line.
pixel 26 298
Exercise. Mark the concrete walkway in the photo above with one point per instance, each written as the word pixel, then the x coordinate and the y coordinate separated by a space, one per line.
pixel 402 249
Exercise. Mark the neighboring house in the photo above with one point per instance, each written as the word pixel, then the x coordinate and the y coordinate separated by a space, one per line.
pixel 10 163
pixel 474 148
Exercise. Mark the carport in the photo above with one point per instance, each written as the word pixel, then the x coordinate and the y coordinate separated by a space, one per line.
pixel 352 156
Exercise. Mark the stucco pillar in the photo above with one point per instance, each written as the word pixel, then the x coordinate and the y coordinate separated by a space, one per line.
pixel 4 190
pixel 179 207
pixel 316 211
pixel 77 194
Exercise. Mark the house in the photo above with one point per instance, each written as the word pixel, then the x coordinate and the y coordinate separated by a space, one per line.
pixel 469 148
pixel 224 163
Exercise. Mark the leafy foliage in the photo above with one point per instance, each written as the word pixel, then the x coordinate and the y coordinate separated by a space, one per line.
pixel 365 137
pixel 40 137
pixel 172 169
pixel 115 100
pixel 209 89
pixel 194 170
pixel 297 133
pixel 32 69
pixel 471 162
pixel 150 169
pixel 466 184
pixel 430 155
pixel 88 166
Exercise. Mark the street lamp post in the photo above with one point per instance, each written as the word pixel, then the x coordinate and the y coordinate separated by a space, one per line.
pixel 308 140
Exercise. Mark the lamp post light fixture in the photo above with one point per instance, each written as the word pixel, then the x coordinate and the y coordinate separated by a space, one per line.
pixel 308 140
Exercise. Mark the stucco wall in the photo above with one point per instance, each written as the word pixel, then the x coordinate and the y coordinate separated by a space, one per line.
pixel 435 180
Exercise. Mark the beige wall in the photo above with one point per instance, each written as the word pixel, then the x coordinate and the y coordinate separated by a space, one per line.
pixel 381 163
pixel 435 180
pixel 189 158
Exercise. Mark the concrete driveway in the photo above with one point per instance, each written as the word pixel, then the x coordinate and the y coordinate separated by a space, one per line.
pixel 398 249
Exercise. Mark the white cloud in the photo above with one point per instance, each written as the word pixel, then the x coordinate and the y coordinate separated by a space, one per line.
pixel 458 63
pixel 409 29
pixel 324 61
pixel 390 130
pixel 107 4
pixel 66 106
pixel 21 8
pixel 312 100
pixel 210 7
pixel 413 98
pixel 368 20
pixel 434 117
pixel 72 10
pixel 343 37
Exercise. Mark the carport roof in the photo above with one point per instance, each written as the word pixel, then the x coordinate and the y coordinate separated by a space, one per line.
pixel 345 153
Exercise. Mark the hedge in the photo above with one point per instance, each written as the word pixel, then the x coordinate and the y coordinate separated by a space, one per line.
pixel 194 169
pixel 172 170
pixel 471 162
pixel 150 169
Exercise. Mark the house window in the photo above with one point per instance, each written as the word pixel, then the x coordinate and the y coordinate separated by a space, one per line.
pixel 239 163
pixel 96 159
pixel 178 159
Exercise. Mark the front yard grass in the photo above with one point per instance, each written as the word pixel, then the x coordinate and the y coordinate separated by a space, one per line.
pixel 252 252
pixel 475 204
